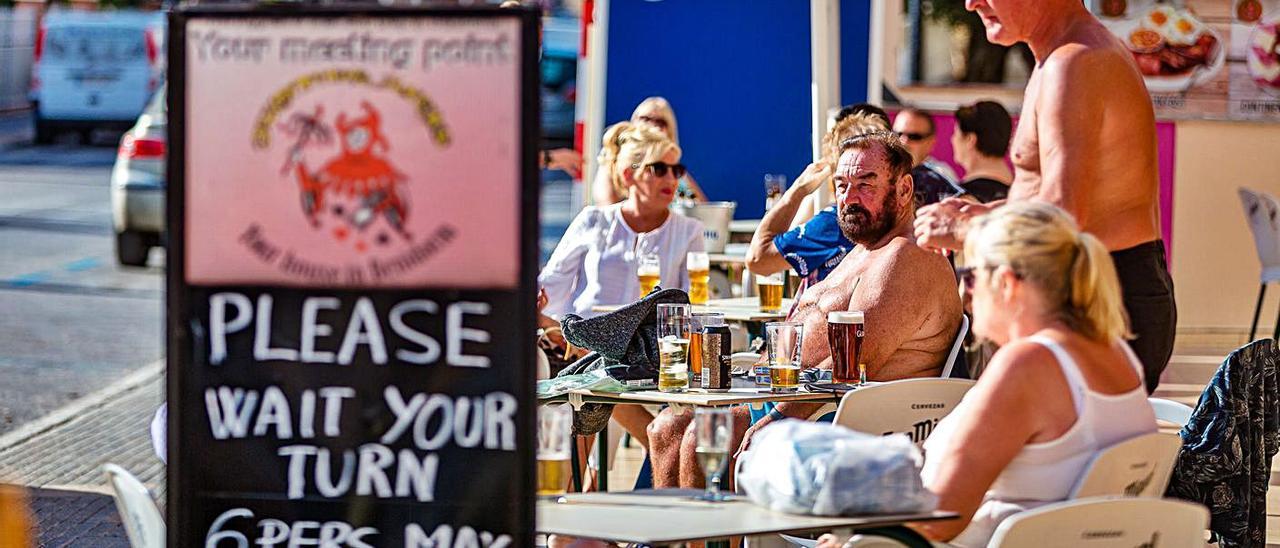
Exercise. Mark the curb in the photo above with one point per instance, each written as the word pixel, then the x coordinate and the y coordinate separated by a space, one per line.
pixel 76 408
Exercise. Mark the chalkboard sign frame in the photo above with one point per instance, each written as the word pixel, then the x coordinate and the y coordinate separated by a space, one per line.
pixel 179 305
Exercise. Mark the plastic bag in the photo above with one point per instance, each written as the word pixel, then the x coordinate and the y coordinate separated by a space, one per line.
pixel 827 470
pixel 596 380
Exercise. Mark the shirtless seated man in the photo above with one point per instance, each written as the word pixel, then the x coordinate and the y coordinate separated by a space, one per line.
pixel 907 293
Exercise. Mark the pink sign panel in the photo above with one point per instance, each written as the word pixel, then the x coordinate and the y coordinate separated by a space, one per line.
pixel 353 152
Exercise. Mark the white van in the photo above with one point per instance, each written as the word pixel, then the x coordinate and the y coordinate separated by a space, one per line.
pixel 95 69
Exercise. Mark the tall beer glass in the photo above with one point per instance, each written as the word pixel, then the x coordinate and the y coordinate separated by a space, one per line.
pixel 649 270
pixel 845 331
pixel 786 339
pixel 673 347
pixel 555 425
pixel 770 288
pixel 699 266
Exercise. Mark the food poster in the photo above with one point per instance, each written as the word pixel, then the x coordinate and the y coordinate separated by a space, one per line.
pixel 1217 59
pixel 366 154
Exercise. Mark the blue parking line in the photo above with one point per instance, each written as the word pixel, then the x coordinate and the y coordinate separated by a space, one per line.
pixel 82 265
pixel 27 280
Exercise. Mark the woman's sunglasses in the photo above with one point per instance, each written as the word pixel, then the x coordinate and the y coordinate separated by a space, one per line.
pixel 653 120
pixel 660 169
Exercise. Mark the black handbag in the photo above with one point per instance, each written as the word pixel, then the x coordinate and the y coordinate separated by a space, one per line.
pixel 624 343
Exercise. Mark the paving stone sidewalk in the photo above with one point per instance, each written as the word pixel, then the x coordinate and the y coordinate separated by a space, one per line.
pixel 60 463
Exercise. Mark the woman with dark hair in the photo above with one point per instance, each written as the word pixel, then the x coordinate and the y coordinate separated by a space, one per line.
pixel 979 145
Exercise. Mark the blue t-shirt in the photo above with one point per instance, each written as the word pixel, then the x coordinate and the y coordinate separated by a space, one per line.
pixel 815 248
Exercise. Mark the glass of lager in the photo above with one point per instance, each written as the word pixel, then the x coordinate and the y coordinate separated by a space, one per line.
pixel 770 288
pixel 555 426
pixel 786 339
pixel 699 266
pixel 714 426
pixel 845 331
pixel 673 347
pixel 649 270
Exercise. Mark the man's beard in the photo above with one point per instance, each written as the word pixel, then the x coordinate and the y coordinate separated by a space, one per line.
pixel 861 227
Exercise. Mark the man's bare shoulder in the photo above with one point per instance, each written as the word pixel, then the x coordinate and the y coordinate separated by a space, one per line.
pixel 1086 60
pixel 902 256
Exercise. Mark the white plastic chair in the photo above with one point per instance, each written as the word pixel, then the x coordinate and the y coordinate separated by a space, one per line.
pixel 142 520
pixel 1106 522
pixel 1137 467
pixel 1262 211
pixel 1171 411
pixel 910 406
pixel 956 347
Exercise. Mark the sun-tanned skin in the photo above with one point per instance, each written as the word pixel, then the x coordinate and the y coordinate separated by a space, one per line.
pixel 1086 141
pixel 907 293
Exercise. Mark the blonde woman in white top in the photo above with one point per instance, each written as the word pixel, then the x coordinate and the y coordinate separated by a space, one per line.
pixel 595 262
pixel 655 113
pixel 1063 385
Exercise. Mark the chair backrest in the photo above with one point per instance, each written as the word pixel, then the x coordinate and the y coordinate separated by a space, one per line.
pixel 956 347
pixel 1262 211
pixel 142 520
pixel 1137 467
pixel 1106 522
pixel 910 406
pixel 1171 411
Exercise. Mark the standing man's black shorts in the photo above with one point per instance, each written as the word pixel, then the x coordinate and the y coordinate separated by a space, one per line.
pixel 1147 289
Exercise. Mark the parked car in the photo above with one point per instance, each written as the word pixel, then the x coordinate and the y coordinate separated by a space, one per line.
pixel 559 67
pixel 137 186
pixel 94 69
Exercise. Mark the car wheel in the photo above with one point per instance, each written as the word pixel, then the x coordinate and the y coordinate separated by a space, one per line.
pixel 132 248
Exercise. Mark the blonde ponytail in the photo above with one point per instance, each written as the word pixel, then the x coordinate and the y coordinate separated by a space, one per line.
pixel 626 144
pixel 1043 245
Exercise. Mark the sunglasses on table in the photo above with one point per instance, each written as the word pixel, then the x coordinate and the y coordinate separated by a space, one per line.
pixel 660 169
pixel 910 136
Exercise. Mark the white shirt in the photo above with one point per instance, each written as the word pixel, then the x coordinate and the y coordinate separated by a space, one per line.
pixel 595 262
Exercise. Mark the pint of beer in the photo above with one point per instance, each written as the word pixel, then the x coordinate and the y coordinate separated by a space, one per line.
pixel 770 288
pixel 673 347
pixel 785 341
pixel 555 424
pixel 845 331
pixel 650 272
pixel 699 266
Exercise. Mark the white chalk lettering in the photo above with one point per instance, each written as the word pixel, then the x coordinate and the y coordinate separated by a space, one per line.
pixel 443 537
pixel 370 468
pixel 333 396
pixel 436 419
pixel 311 329
pixel 457 334
pixel 229 411
pixel 219 326
pixel 500 426
pixel 232 409
pixel 404 412
pixel 262 350
pixel 363 329
pixel 275 412
pixel 371 476
pixel 274 532
pixel 432 348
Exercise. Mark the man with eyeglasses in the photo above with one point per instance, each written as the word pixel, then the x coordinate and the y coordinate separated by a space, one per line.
pixel 1086 143
pixel 918 133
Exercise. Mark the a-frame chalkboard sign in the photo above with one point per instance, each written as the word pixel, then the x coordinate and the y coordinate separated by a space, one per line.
pixel 352 259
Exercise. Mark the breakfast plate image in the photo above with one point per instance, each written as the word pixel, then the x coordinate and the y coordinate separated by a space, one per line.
pixel 1173 48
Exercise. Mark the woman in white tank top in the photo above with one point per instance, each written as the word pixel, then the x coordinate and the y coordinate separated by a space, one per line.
pixel 1062 386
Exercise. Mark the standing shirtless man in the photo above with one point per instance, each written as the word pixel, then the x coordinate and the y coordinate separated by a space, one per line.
pixel 1086 143
pixel 907 293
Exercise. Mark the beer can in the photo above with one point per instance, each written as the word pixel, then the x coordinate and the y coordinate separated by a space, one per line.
pixel 717 353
